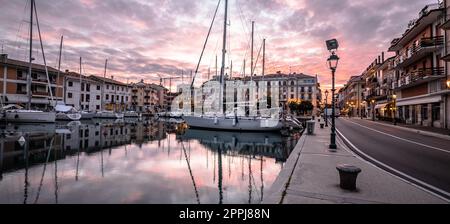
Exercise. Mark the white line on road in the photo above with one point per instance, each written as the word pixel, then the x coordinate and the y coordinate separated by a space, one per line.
pixel 399 138
pixel 371 159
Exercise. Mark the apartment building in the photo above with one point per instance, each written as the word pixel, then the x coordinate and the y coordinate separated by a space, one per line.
pixel 116 96
pixel 13 89
pixel 83 93
pixel 144 97
pixel 421 73
pixel 351 97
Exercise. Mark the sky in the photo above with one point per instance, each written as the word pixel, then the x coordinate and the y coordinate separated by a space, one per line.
pixel 148 39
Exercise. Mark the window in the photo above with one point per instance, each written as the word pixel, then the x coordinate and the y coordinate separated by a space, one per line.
pixel 303 89
pixel 98 107
pixel 292 96
pixel 292 83
pixel 310 96
pixel 126 98
pixel 88 98
pixel 122 89
pixel 98 97
pixel 70 84
pixel 88 87
pixel 424 112
pixel 82 97
pixel 107 96
pixel 107 86
pixel 69 95
pixel 117 98
pixel 98 87
pixel 436 111
pixel 292 89
pixel 82 86
pixel 122 99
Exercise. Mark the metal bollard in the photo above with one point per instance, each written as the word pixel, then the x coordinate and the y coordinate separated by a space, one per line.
pixel 348 175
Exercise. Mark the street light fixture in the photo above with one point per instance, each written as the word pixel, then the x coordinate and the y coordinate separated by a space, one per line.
pixel 326 108
pixel 333 61
pixel 373 110
pixel 394 108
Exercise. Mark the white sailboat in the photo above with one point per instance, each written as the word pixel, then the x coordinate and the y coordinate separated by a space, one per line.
pixel 20 115
pixel 67 113
pixel 221 121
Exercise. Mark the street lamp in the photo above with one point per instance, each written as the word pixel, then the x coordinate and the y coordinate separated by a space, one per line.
pixel 333 60
pixel 326 108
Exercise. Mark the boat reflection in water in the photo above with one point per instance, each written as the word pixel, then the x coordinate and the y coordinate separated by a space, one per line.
pixel 136 162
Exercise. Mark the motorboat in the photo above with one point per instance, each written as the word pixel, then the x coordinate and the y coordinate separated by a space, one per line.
pixel 16 114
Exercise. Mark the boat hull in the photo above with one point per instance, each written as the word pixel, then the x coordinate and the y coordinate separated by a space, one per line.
pixel 30 117
pixel 87 116
pixel 68 117
pixel 230 124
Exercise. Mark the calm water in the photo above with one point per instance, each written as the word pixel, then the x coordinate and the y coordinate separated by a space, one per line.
pixel 149 162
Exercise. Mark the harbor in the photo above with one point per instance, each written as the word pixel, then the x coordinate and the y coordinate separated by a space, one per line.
pixel 137 162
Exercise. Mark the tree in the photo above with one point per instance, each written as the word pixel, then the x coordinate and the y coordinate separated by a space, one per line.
pixel 305 107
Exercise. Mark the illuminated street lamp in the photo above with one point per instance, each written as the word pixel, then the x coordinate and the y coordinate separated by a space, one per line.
pixel 373 110
pixel 333 61
pixel 326 108
pixel 448 84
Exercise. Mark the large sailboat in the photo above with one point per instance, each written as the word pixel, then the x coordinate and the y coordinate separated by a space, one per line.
pixel 233 122
pixel 18 114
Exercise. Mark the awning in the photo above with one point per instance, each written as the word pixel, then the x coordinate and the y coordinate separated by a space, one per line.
pixel 421 100
pixel 378 106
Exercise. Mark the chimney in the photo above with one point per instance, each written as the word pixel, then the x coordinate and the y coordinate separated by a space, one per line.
pixel 3 58
pixel 382 56
pixel 379 59
pixel 112 77
pixel 67 70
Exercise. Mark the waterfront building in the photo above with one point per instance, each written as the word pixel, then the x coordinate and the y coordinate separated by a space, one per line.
pixel 350 98
pixel 148 98
pixel 13 88
pixel 421 73
pixel 85 96
pixel 116 95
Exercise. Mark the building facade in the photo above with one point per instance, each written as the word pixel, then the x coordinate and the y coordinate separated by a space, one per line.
pixel 13 88
pixel 421 73
pixel 85 96
pixel 145 97
pixel 116 96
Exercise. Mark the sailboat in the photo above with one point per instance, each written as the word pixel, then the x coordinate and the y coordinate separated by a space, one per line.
pixel 18 114
pixel 232 122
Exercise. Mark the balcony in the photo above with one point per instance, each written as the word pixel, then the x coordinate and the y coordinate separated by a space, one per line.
pixel 418 50
pixel 420 76
pixel 427 16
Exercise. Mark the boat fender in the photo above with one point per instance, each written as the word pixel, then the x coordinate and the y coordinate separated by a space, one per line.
pixel 216 121
pixel 234 122
pixel 16 116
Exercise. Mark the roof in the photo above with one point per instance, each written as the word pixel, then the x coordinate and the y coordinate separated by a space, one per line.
pixel 23 64
pixel 107 80
pixel 282 75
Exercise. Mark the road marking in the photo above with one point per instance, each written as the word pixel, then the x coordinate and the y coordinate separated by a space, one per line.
pixel 403 139
pixel 412 179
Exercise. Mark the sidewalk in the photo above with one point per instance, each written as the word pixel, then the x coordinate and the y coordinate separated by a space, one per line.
pixel 310 177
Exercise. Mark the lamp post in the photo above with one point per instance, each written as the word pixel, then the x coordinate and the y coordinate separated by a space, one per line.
pixel 326 108
pixel 333 61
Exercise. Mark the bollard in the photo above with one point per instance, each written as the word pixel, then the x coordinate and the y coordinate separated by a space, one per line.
pixel 348 175
pixel 321 126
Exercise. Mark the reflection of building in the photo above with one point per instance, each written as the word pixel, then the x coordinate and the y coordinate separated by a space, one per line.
pixel 13 87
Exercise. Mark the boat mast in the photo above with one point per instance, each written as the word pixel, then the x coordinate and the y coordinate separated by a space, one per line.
pixel 224 51
pixel 103 87
pixel 31 57
pixel 251 68
pixel 59 61
pixel 81 83
pixel 264 58
pixel 43 57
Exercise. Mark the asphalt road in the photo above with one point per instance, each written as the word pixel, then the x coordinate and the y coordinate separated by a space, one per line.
pixel 425 159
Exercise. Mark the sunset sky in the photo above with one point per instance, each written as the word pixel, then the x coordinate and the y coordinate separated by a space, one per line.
pixel 143 38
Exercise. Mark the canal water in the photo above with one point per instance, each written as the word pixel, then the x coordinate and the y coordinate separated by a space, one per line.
pixel 137 162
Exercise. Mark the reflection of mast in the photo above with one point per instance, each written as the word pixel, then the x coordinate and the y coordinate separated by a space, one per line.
pixel 78 163
pixel 103 173
pixel 249 180
pixel 262 180
pixel 220 175
pixel 45 168
pixel 25 191
pixel 56 177
pixel 190 172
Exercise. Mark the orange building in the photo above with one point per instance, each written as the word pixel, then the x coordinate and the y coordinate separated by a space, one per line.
pixel 13 87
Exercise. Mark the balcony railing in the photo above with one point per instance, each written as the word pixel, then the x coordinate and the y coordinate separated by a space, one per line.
pixel 420 74
pixel 418 47
pixel 429 8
